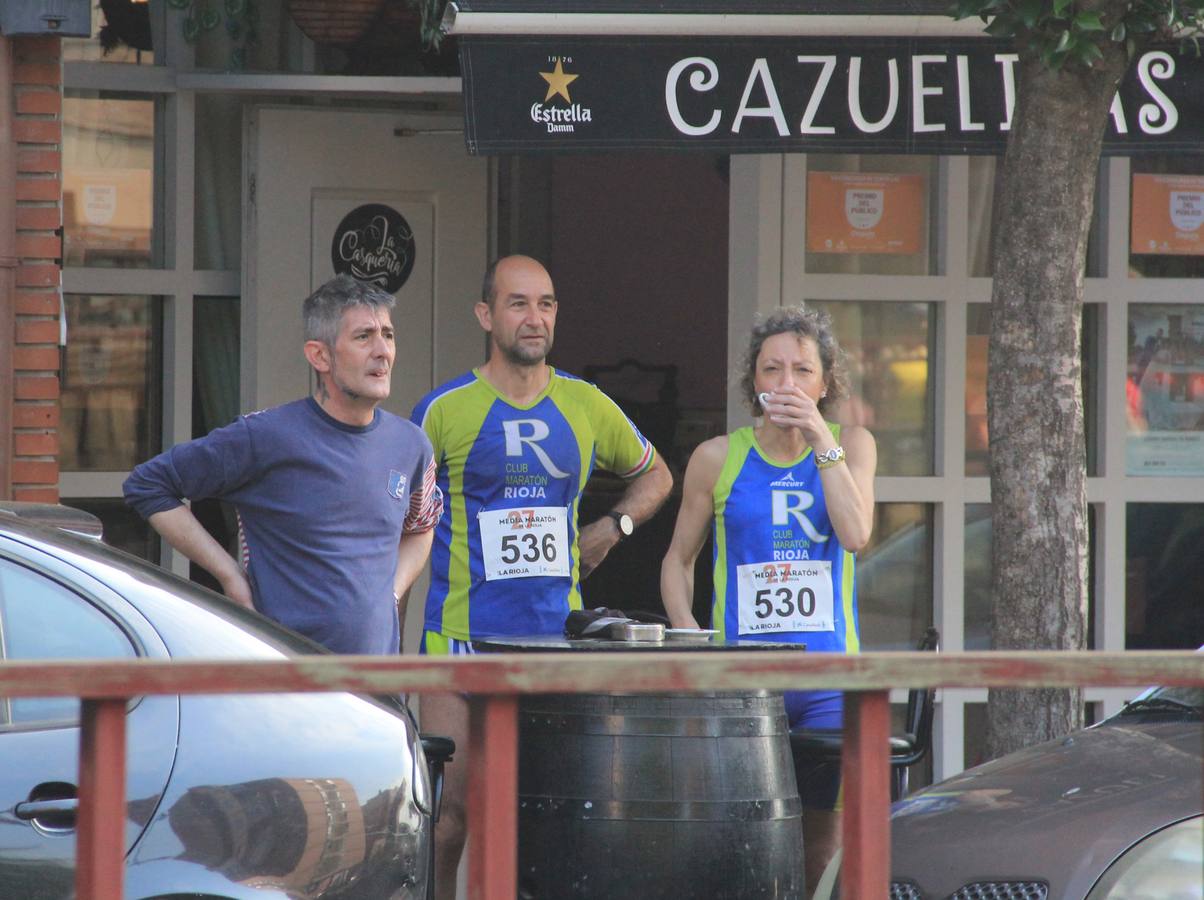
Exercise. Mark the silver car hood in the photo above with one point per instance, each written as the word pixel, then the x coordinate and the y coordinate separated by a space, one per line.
pixel 1060 812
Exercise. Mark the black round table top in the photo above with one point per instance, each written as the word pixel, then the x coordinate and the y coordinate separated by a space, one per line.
pixel 558 643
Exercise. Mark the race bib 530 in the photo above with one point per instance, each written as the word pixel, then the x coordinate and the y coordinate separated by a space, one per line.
pixel 785 596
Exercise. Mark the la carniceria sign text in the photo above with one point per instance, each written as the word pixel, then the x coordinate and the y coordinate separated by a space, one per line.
pixel 786 95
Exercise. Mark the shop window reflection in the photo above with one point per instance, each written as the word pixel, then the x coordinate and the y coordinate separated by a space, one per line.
pixel 1163 574
pixel 978 574
pixel 871 215
pixel 894 577
pixel 108 181
pixel 978 330
pixel 111 389
pixel 1166 202
pixel 889 347
pixel 1164 390
pixel 986 172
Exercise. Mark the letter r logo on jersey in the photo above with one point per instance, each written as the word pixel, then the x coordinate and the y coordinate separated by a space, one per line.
pixel 537 431
pixel 793 503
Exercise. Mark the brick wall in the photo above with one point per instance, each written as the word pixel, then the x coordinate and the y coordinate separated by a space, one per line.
pixel 37 131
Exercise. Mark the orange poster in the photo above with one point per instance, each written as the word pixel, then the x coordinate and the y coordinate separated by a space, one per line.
pixel 1168 212
pixel 864 213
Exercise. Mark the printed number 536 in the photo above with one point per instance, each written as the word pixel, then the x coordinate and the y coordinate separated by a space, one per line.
pixel 528 547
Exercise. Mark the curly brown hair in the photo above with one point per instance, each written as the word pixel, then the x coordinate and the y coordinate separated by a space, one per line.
pixel 802 322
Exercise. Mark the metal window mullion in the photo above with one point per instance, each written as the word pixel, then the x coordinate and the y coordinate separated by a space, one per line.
pixel 794 226
pixel 179 154
pixel 754 258
pixel 109 77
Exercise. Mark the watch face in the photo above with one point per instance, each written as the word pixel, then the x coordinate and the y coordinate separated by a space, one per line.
pixel 626 525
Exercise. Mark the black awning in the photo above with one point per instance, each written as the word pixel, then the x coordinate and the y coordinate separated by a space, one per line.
pixel 713 7
pixel 786 94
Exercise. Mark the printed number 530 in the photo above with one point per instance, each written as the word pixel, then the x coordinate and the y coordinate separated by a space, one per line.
pixel 787 602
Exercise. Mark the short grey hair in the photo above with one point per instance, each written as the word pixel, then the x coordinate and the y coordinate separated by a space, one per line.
pixel 323 309
pixel 802 322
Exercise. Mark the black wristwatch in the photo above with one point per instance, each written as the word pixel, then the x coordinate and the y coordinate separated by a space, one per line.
pixel 625 523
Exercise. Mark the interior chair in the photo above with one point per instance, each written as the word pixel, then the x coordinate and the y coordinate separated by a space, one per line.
pixel 906 749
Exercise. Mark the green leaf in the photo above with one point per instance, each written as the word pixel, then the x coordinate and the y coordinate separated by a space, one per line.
pixel 208 18
pixel 1001 26
pixel 1063 42
pixel 1029 12
pixel 1130 48
pixel 1087 52
pixel 1060 6
pixel 1118 33
pixel 1088 21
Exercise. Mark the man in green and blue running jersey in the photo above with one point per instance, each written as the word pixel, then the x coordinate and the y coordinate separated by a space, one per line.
pixel 515 442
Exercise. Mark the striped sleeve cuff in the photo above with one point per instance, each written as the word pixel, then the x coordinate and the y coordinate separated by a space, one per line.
pixel 643 464
pixel 426 504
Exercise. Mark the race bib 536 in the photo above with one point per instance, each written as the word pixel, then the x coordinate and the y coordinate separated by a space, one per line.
pixel 523 543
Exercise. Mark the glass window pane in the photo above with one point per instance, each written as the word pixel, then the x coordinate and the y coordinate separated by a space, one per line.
pixel 215 329
pixel 108 180
pixel 889 347
pixel 1166 197
pixel 985 173
pixel 976 610
pixel 40 619
pixel 123 528
pixel 380 38
pixel 215 365
pixel 123 35
pixel 112 383
pixel 1164 572
pixel 872 215
pixel 978 329
pixel 894 577
pixel 218 209
pixel 978 572
pixel 1164 392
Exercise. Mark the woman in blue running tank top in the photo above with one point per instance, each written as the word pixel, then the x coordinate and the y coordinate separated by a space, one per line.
pixel 789 501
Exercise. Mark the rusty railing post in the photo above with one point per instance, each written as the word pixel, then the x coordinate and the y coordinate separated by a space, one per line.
pixel 100 824
pixel 865 761
pixel 493 797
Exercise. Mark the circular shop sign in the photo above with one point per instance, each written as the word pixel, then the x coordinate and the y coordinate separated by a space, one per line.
pixel 375 244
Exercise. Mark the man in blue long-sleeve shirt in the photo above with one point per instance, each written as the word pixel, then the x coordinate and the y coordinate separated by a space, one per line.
pixel 336 498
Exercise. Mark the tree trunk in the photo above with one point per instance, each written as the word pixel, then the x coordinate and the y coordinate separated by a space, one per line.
pixel 1034 387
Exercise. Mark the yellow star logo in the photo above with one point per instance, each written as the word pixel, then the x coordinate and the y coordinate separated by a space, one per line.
pixel 558 83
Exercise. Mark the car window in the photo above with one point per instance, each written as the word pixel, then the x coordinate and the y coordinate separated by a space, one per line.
pixel 41 619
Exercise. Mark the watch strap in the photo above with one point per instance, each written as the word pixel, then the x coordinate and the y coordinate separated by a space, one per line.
pixel 830 458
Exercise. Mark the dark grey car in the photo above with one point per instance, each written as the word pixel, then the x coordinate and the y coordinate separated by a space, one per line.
pixel 1113 812
pixel 256 796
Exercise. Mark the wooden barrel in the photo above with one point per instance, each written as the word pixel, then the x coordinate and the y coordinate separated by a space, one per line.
pixel 650 796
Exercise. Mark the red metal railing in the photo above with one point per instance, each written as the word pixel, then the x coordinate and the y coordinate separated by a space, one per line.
pixel 495 682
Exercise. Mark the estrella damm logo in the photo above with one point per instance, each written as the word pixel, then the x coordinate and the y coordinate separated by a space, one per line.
pixel 560 117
